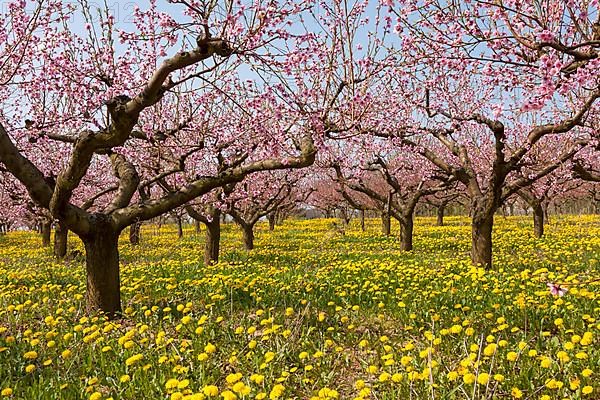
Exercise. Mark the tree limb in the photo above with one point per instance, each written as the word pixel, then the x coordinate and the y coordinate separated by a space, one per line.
pixel 128 182
pixel 153 208
pixel 39 190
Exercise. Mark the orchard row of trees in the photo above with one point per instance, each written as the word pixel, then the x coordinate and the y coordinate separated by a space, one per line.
pixel 274 197
pixel 204 107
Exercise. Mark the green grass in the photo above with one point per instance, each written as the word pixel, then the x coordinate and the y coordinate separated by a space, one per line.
pixel 376 322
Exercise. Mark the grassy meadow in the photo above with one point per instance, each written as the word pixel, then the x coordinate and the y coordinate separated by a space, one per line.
pixel 311 314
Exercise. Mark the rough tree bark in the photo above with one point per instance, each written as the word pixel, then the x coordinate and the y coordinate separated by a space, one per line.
pixel 61 235
pixel 406 230
pixel 213 240
pixel 102 267
pixel 538 220
pixel 46 232
pixel 386 223
pixel 211 218
pixel 179 227
pixel 272 220
pixel 248 233
pixel 440 214
pixel 481 238
pixel 134 233
pixel 539 210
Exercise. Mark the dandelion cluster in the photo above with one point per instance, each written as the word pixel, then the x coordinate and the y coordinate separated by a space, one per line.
pixel 311 314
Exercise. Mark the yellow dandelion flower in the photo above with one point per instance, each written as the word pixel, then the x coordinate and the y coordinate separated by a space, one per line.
pixel 516 393
pixel 210 390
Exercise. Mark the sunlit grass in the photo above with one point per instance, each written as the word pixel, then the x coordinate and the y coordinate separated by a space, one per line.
pixel 311 313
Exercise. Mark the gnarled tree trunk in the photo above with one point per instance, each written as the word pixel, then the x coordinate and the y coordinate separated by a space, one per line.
pixel 406 231
pixel 248 233
pixel 481 239
pixel 102 266
pixel 212 234
pixel 61 235
pixel 272 220
pixel 440 215
pixel 46 232
pixel 213 240
pixel 134 233
pixel 386 227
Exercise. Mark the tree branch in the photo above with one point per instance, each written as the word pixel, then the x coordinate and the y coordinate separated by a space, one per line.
pixel 522 182
pixel 156 86
pixel 561 127
pixel 90 202
pixel 580 172
pixel 34 181
pixel 153 208
pixel 128 182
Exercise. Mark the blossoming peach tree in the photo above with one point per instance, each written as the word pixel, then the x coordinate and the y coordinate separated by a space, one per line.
pixel 491 82
pixel 137 107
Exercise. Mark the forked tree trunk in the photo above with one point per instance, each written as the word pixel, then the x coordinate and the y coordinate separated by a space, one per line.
pixel 362 220
pixel 406 231
pixel 248 233
pixel 440 215
pixel 213 240
pixel 102 266
pixel 134 233
pixel 538 220
pixel 386 227
pixel 481 239
pixel 61 235
pixel 46 232
pixel 272 219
